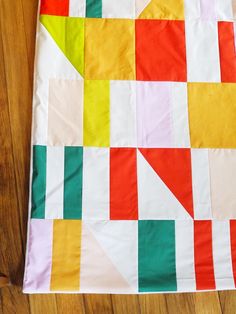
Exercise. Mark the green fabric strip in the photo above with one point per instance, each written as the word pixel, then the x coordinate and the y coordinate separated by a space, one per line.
pixel 93 8
pixel 39 182
pixel 156 255
pixel 73 176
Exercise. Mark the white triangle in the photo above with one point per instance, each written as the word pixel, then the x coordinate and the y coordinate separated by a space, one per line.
pixel 119 240
pixel 155 199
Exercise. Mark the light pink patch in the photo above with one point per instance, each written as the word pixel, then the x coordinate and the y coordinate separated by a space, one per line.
pixel 208 9
pixel 154 126
pixel 65 112
pixel 234 8
pixel 39 259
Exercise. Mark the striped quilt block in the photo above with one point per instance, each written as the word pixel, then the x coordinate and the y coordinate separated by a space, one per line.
pixel 133 162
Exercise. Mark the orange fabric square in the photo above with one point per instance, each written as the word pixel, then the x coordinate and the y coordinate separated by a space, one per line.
pixel 109 49
pixel 160 50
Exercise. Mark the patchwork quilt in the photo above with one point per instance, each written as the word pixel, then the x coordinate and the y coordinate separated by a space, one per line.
pixel 133 168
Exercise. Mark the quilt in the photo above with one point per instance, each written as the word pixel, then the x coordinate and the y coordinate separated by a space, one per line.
pixel 133 163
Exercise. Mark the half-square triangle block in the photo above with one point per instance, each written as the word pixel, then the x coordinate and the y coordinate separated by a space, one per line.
pixel 173 166
pixel 155 199
pixel 68 33
pixel 163 9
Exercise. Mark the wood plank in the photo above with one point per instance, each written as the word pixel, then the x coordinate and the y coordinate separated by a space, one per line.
pixel 1 305
pixel 180 303
pixel 30 10
pixel 98 303
pixel 70 303
pixel 153 303
pixel 13 301
pixel 11 252
pixel 207 303
pixel 228 301
pixel 43 303
pixel 125 304
pixel 4 281
pixel 19 93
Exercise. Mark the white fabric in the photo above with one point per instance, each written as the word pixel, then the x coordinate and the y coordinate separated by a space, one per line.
pixel 118 9
pixel 222 255
pixel 122 114
pixel 201 184
pixel 180 115
pixel 184 246
pixel 192 9
pixel 95 183
pixel 55 183
pixel 224 10
pixel 203 63
pixel 77 8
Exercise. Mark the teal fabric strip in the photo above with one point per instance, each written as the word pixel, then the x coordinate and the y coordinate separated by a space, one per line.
pixel 93 8
pixel 156 255
pixel 39 182
pixel 73 176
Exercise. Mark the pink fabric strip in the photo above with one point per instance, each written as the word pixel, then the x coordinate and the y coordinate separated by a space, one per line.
pixel 208 9
pixel 154 126
pixel 234 8
pixel 38 268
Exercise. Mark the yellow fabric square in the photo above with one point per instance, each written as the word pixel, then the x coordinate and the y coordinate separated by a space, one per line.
pixel 212 115
pixel 164 10
pixel 66 255
pixel 109 49
pixel 97 113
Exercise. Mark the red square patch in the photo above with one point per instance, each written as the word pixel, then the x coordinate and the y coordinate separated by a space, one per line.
pixel 55 7
pixel 160 50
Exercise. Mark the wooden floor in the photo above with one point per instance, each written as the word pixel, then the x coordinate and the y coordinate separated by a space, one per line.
pixel 17 36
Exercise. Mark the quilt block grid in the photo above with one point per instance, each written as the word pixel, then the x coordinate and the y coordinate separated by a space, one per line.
pixel 133 160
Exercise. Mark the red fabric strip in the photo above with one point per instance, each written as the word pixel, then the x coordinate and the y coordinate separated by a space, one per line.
pixel 227 51
pixel 55 7
pixel 233 246
pixel 123 184
pixel 204 267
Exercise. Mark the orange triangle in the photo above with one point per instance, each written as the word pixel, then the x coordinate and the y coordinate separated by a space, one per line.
pixel 173 166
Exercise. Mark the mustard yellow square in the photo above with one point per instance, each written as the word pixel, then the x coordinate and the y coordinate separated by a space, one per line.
pixel 163 10
pixel 212 115
pixel 109 49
